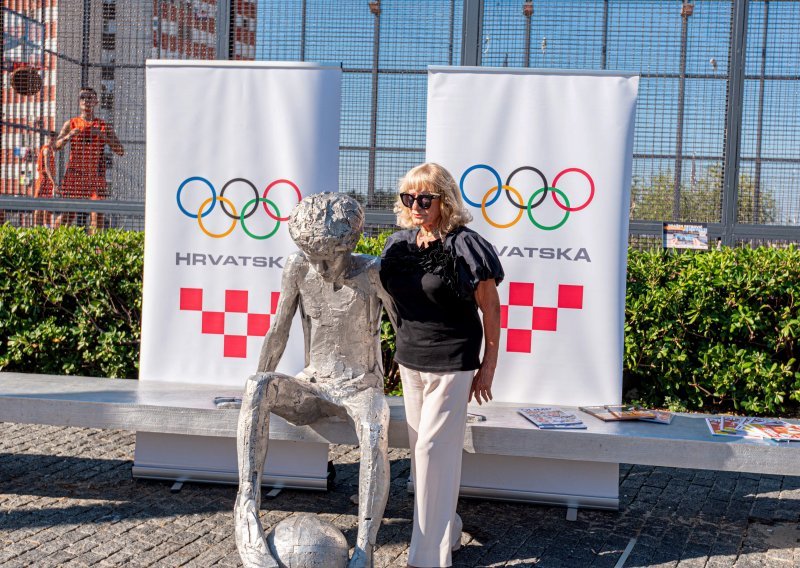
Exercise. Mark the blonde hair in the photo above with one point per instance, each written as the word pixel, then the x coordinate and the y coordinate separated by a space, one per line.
pixel 433 178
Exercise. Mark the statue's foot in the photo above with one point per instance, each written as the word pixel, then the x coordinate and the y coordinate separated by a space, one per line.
pixel 362 558
pixel 249 536
pixel 252 558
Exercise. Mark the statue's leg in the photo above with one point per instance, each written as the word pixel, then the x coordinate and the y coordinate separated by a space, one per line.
pixel 370 413
pixel 297 401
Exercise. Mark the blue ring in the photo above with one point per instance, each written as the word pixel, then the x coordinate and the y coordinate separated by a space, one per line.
pixel 213 196
pixel 496 176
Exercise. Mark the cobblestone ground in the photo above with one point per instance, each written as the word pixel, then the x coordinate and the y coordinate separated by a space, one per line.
pixel 67 499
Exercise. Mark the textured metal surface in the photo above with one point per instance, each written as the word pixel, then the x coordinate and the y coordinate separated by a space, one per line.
pixel 694 98
pixel 306 541
pixel 339 298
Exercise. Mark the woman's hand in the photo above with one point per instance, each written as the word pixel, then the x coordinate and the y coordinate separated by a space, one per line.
pixel 482 384
pixel 489 303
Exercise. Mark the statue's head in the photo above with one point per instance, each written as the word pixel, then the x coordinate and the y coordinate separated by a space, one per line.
pixel 326 227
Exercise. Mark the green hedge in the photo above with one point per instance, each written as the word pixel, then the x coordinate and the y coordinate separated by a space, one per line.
pixel 70 303
pixel 712 331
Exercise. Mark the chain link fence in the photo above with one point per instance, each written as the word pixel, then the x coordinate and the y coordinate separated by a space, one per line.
pixel 717 136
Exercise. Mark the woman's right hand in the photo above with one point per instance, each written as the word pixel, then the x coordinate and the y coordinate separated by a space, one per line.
pixel 482 384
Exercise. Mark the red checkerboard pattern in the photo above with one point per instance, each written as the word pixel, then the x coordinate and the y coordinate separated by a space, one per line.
pixel 543 318
pixel 213 322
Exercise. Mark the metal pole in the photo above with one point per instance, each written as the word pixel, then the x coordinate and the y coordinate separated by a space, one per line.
pixel 223 29
pixel 375 8
pixel 604 60
pixel 160 9
pixel 87 25
pixel 733 121
pixel 44 88
pixel 472 33
pixel 759 128
pixel 527 11
pixel 303 14
pixel 452 32
pixel 686 11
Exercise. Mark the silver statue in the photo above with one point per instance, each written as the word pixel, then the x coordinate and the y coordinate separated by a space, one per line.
pixel 306 541
pixel 340 299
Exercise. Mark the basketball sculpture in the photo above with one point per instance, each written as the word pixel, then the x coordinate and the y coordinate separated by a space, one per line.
pixel 306 541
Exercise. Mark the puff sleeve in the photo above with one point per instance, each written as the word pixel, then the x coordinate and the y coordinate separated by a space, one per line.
pixel 476 260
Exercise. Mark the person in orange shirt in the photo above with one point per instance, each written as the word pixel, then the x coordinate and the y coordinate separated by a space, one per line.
pixel 87 135
pixel 46 186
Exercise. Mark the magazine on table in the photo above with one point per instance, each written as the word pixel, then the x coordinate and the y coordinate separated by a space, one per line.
pixel 726 425
pixel 782 432
pixel 753 427
pixel 551 418
pixel 661 417
pixel 614 413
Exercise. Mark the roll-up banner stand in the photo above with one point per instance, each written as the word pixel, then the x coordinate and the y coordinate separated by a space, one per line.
pixel 231 149
pixel 543 159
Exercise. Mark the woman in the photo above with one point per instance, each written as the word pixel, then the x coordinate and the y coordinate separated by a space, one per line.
pixel 439 273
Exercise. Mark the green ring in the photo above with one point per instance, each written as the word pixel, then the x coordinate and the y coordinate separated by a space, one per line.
pixel 277 214
pixel 566 212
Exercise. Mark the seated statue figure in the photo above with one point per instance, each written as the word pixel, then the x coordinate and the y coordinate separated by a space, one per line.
pixel 340 300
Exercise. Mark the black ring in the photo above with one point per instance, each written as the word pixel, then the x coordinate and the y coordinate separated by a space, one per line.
pixel 544 181
pixel 222 193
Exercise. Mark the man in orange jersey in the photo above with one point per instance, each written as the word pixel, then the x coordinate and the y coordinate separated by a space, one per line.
pixel 46 186
pixel 87 135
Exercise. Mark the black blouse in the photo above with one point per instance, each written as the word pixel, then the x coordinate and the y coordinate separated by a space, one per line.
pixel 438 327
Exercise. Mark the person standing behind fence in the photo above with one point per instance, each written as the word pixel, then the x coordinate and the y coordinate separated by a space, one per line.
pixel 46 186
pixel 87 135
pixel 439 274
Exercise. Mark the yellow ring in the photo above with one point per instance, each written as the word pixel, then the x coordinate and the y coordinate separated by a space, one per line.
pixel 200 217
pixel 483 207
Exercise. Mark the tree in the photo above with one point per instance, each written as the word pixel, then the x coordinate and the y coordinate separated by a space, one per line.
pixel 700 202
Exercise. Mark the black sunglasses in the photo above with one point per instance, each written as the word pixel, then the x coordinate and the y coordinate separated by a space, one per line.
pixel 424 200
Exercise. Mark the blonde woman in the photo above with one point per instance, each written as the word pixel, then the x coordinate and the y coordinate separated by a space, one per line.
pixel 440 274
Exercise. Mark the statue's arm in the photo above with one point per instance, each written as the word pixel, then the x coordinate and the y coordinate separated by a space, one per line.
pixel 278 335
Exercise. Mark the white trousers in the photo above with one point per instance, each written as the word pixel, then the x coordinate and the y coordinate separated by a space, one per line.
pixel 436 411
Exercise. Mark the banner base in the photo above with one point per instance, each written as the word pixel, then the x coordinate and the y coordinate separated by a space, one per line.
pixel 573 484
pixel 207 459
pixel 534 497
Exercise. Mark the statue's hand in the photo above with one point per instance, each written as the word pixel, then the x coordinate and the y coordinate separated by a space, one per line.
pixel 250 540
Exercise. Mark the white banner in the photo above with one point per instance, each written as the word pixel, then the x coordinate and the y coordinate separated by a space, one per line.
pixel 231 149
pixel 560 145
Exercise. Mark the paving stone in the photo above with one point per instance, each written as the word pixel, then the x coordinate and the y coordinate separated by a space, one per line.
pixel 67 499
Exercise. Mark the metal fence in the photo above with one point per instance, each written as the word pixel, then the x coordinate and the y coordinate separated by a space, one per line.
pixel 717 136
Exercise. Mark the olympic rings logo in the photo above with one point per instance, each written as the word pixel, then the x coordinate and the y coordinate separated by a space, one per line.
pixel 229 209
pixel 535 200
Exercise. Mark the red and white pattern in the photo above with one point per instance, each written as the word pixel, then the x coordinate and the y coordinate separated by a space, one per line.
pixel 520 317
pixel 235 323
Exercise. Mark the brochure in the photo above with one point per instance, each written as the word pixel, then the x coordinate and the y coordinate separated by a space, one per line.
pixel 613 413
pixel 551 418
pixel 744 426
pixel 661 417
pixel 779 432
pixel 726 425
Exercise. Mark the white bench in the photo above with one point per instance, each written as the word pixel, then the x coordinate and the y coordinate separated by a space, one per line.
pixel 190 410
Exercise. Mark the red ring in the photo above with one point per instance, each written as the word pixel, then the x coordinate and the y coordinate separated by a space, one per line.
pixel 266 191
pixel 591 192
